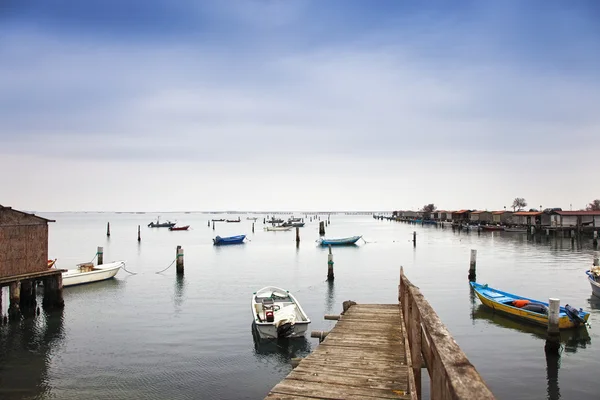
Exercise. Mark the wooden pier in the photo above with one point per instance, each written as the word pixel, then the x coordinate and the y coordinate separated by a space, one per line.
pixel 377 351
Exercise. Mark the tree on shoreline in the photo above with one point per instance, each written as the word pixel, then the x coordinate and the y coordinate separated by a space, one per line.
pixel 594 205
pixel 518 204
pixel 427 210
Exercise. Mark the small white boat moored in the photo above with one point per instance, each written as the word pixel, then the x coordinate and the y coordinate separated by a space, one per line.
pixel 88 273
pixel 594 279
pixel 277 314
pixel 277 228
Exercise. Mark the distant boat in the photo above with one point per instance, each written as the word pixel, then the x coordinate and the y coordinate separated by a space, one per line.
pixel 251 218
pixel 529 310
pixel 293 224
pixel 492 228
pixel 218 220
pixel 277 228
pixel 274 221
pixel 88 273
pixel 159 224
pixel 515 229
pixel 179 228
pixel 277 314
pixel 339 242
pixel 594 279
pixel 219 241
pixel 233 220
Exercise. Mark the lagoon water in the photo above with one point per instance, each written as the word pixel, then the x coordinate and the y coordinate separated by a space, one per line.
pixel 156 336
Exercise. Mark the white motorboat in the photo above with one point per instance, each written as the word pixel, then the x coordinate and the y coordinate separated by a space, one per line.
pixel 277 228
pixel 594 279
pixel 88 273
pixel 277 314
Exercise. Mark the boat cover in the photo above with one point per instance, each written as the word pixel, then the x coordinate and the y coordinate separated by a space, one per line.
pixel 285 315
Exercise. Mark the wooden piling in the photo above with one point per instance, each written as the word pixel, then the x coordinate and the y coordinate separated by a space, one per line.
pixel 322 228
pixel 330 276
pixel 473 265
pixel 179 262
pixel 321 335
pixel 253 227
pixel 297 235
pixel 553 336
pixel 100 254
pixel 213 225
pixel 414 238
pixel 108 229
pixel 532 229
pixel 53 292
pixel 595 241
pixel 209 223
pixel 28 300
pixel 14 309
pixel 331 317
pixel 139 234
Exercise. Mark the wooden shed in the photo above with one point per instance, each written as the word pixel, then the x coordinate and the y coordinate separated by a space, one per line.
pixel 23 242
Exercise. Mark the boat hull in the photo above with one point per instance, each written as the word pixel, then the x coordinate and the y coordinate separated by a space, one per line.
pixel 179 228
pixel 222 241
pixel 269 331
pixel 339 242
pixel 286 310
pixel 595 285
pixel 101 273
pixel 495 299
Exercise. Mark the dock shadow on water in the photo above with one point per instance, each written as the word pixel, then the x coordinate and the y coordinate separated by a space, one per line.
pixel 27 347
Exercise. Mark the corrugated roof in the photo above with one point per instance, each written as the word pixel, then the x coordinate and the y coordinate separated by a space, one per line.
pixel 500 212
pixel 582 212
pixel 479 212
pixel 528 213
pixel 460 212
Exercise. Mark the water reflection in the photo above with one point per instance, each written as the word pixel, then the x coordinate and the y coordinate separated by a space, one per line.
pixel 26 349
pixel 281 350
pixel 572 339
pixel 330 299
pixel 594 302
pixel 552 367
pixel 179 290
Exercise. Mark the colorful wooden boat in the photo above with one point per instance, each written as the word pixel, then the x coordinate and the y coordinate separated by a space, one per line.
pixel 219 241
pixel 532 311
pixel 339 242
pixel 179 228
pixel 594 279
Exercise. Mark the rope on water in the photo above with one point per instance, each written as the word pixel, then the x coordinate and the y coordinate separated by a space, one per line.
pixel 126 270
pixel 173 262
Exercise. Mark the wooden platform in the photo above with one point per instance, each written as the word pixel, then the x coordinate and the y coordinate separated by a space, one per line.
pixel 363 357
pixel 33 275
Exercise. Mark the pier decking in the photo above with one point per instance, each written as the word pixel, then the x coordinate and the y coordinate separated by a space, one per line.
pixel 363 356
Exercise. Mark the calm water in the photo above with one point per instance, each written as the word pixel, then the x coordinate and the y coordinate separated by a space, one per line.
pixel 154 336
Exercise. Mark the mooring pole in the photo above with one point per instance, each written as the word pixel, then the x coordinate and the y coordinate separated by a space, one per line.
pixel 553 335
pixel 330 265
pixel 322 228
pixel 213 225
pixel 100 254
pixel 414 238
pixel 253 227
pixel 108 229
pixel 139 234
pixel 179 262
pixel 595 241
pixel 473 265
pixel 297 235
pixel 209 223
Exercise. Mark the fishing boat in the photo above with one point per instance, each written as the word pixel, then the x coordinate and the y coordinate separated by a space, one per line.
pixel 274 221
pixel 233 220
pixel 179 228
pixel 594 278
pixel 89 273
pixel 339 242
pixel 218 220
pixel 492 228
pixel 219 241
pixel 528 310
pixel 293 224
pixel 159 224
pixel 277 228
pixel 515 229
pixel 277 314
pixel 251 218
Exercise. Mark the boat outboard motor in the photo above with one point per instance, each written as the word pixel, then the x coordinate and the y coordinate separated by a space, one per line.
pixel 270 316
pixel 284 330
pixel 573 315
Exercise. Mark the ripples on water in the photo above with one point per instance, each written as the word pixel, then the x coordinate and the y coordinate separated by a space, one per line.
pixel 156 336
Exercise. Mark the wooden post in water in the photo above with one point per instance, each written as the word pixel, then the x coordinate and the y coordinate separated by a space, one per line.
pixel 553 334
pixel 27 295
pixel 532 229
pixel 209 223
pixel 108 229
pixel 414 238
pixel 297 235
pixel 100 254
pixel 14 309
pixel 595 241
pixel 330 265
pixel 253 227
pixel 473 265
pixel 213 225
pixel 53 292
pixel 322 228
pixel 139 234
pixel 179 262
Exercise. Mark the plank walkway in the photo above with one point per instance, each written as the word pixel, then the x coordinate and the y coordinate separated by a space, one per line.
pixel 363 357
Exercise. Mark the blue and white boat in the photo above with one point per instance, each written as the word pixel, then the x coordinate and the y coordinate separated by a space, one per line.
pixel 339 242
pixel 220 241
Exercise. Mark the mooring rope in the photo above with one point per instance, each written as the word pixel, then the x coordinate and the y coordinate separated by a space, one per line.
pixel 126 270
pixel 173 262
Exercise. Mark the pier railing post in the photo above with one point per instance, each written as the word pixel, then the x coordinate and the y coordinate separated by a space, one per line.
pixel 330 265
pixel 473 265
pixel 553 334
pixel 179 260
pixel 100 254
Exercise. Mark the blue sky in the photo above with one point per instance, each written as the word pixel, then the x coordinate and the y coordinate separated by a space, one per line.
pixel 298 104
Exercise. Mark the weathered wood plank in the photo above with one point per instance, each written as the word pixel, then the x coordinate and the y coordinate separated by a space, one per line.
pixel 399 374
pixel 364 381
pixel 334 391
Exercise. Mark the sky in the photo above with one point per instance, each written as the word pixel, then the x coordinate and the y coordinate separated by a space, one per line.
pixel 298 104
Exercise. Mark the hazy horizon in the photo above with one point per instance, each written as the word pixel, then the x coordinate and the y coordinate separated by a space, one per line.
pixel 261 104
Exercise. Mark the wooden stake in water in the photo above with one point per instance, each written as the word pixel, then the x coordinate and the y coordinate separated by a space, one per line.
pixel 473 265
pixel 414 238
pixel 139 234
pixel 108 229
pixel 297 235
pixel 253 227
pixel 553 334
pixel 100 254
pixel 322 228
pixel 179 262
pixel 330 265
pixel 595 241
